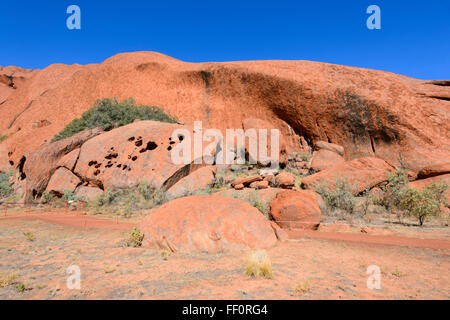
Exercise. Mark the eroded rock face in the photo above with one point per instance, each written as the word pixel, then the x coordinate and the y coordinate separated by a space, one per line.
pixel 322 145
pixel 324 159
pixel 207 223
pixel 87 192
pixel 434 170
pixel 359 174
pixel 35 170
pixel 126 156
pixel 198 180
pixel 61 181
pixel 402 120
pixel 294 209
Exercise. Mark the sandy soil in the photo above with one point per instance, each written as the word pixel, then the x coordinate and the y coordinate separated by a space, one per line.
pixel 330 264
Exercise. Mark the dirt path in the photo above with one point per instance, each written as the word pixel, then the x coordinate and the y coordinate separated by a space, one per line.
pixel 84 221
pixel 73 220
pixel 372 239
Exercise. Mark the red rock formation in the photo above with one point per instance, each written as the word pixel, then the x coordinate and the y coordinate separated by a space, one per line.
pixel 402 120
pixel 207 223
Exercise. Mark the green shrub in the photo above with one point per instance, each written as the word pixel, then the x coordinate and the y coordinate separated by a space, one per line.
pixel 46 197
pixel 6 188
pixel 338 197
pixel 135 238
pixel 419 203
pixel 391 191
pixel 69 195
pixel 108 114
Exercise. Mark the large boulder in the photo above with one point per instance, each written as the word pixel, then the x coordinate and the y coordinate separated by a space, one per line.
pixel 296 209
pixel 207 223
pixel 61 181
pixel 34 170
pixel 360 174
pixel 128 155
pixel 198 180
pixel 324 159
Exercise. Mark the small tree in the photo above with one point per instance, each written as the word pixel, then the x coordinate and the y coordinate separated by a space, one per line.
pixel 419 203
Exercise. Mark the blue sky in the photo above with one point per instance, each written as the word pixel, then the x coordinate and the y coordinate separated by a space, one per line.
pixel 414 39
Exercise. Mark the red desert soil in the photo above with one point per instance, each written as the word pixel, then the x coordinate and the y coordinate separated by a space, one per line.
pixel 332 265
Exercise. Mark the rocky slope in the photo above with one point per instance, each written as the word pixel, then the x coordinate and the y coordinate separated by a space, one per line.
pixel 402 120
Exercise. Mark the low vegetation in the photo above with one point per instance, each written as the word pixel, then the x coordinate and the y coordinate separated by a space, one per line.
pixel 135 238
pixel 258 265
pixel 336 197
pixel 7 279
pixel 127 201
pixel 6 188
pixel 108 114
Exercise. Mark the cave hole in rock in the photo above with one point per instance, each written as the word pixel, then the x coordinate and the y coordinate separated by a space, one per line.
pixel 134 158
pixel 138 143
pixel 131 139
pixel 169 148
pixel 91 163
pixel 124 167
pixel 150 146
pixel 21 165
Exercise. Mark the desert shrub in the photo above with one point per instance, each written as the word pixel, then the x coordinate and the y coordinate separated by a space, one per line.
pixel 129 200
pixel 108 114
pixel 135 238
pixel 6 188
pixel 420 204
pixel 338 197
pixel 108 197
pixel 29 236
pixel 391 191
pixel 255 201
pixel 302 287
pixel 258 265
pixel 68 195
pixel 46 197
pixel 438 190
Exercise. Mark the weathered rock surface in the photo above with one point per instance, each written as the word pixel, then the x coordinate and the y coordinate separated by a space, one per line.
pixel 322 145
pixel 360 174
pixel 198 180
pixel 125 156
pixel 207 223
pixel 246 181
pixel 61 181
pixel 87 192
pixel 324 159
pixel 296 209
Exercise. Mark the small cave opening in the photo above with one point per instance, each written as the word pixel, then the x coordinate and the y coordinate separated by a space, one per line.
pixel 150 146
pixel 20 167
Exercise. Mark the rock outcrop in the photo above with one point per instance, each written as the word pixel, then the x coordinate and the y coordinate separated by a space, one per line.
pixel 401 120
pixel 359 174
pixel 207 223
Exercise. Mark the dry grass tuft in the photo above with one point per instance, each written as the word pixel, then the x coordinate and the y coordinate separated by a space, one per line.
pixel 258 265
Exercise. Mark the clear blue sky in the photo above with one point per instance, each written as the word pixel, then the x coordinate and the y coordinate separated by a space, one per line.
pixel 414 39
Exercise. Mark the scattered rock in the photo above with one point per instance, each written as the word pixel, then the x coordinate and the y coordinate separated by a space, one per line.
pixel 239 186
pixel 246 180
pixel 260 184
pixel 285 180
pixel 207 223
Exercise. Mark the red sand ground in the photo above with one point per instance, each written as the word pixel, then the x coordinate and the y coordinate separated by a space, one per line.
pixel 333 264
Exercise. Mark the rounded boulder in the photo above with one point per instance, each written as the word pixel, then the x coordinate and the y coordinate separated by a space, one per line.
pixel 207 223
